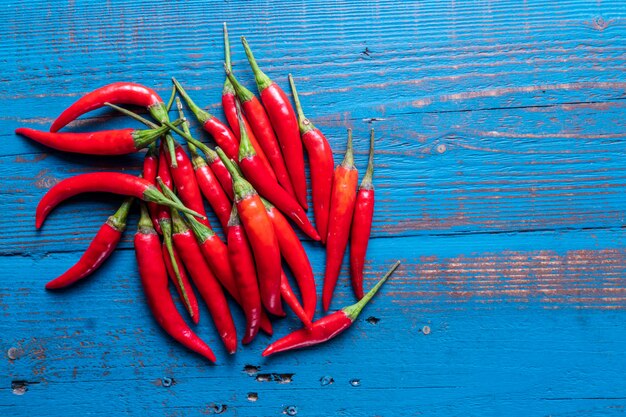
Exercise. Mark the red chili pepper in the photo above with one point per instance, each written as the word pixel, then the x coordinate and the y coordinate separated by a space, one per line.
pixel 154 282
pixel 296 257
pixel 362 224
pixel 116 93
pixel 111 182
pixel 100 248
pixel 327 327
pixel 174 270
pixel 341 208
pixel 321 164
pixel 149 173
pixel 291 300
pixel 261 236
pixel 216 164
pixel 284 122
pixel 255 172
pixel 208 183
pixel 260 127
pixel 106 142
pixel 205 281
pixel 242 264
pixel 216 255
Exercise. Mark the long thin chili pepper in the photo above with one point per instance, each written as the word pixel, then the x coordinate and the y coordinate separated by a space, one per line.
pixel 184 289
pixel 208 183
pixel 242 264
pixel 111 182
pixel 292 250
pixel 100 248
pixel 261 236
pixel 342 202
pixel 291 300
pixel 207 285
pixel 105 142
pixel 285 125
pixel 257 175
pixel 116 93
pixel 154 282
pixel 327 327
pixel 164 220
pixel 259 127
pixel 149 173
pixel 362 224
pixel 321 164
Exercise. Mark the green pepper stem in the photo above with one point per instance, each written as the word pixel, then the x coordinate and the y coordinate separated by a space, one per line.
pixel 241 187
pixel 367 183
pixel 354 310
pixel 145 137
pixel 145 224
pixel 185 125
pixel 154 195
pixel 262 80
pixel 348 159
pixel 210 153
pixel 178 223
pixel 243 94
pixel 133 115
pixel 118 219
pixel 246 150
pixel 166 228
pixel 233 220
pixel 200 114
pixel 227 48
pixel 171 100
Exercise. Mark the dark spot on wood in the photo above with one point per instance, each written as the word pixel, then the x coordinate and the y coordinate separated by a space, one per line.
pixel 215 409
pixel 19 387
pixel 326 380
pixel 372 320
pixel 290 410
pixel 251 369
pixel 253 397
pixel 273 377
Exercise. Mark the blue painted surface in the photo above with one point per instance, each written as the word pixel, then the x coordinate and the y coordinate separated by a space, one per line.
pixel 500 178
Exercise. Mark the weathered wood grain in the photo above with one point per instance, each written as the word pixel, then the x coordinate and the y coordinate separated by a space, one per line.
pixel 500 175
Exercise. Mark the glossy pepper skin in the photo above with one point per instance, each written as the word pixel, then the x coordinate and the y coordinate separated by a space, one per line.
pixel 242 264
pixel 154 283
pixel 98 251
pixel 321 165
pixel 294 254
pixel 291 300
pixel 149 173
pixel 105 142
pixel 328 326
pixel 267 187
pixel 188 295
pixel 261 236
pixel 284 122
pixel 205 281
pixel 116 93
pixel 110 182
pixel 362 224
pixel 343 198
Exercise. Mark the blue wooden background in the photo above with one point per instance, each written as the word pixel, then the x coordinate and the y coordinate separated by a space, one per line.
pixel 501 178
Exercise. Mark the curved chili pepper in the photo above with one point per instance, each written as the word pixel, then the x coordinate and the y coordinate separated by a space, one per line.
pixel 106 142
pixel 362 224
pixel 149 173
pixel 342 202
pixel 116 93
pixel 296 257
pixel 261 236
pixel 208 183
pixel 205 281
pixel 291 300
pixel 260 127
pixel 111 182
pixel 327 327
pixel 256 173
pixel 185 292
pixel 242 264
pixel 164 221
pixel 285 125
pixel 321 164
pixel 154 282
pixel 216 164
pixel 100 248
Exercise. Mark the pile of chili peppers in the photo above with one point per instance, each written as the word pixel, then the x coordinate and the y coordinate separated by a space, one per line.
pixel 254 181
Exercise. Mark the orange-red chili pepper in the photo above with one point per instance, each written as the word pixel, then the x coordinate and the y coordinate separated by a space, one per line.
pixel 154 282
pixel 261 236
pixel 321 164
pixel 111 182
pixel 291 300
pixel 116 93
pixel 106 142
pixel 342 202
pixel 327 327
pixel 293 252
pixel 205 281
pixel 362 224
pixel 100 248
pixel 256 173
pixel 179 270
pixel 207 181
pixel 242 264
pixel 285 125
